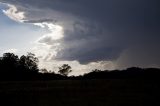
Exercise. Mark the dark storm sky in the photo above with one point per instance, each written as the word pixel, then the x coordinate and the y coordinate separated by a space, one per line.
pixel 126 32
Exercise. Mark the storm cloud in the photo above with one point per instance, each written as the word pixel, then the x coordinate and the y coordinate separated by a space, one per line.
pixel 98 30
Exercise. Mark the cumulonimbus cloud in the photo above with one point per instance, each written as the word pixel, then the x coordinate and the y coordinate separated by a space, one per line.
pixel 95 30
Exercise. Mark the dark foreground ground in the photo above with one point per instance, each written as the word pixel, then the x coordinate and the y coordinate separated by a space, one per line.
pixel 108 92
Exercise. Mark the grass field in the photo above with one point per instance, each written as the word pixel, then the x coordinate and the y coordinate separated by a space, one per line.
pixel 109 92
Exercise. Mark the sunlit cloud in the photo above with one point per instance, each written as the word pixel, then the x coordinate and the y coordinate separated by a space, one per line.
pixel 78 69
pixel 47 46
pixel 55 31
pixel 14 14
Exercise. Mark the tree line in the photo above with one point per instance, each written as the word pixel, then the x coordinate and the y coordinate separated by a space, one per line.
pixel 25 67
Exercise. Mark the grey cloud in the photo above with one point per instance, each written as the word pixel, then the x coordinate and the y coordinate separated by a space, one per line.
pixel 97 29
pixel 48 40
pixel 87 44
pixel 40 21
pixel 140 56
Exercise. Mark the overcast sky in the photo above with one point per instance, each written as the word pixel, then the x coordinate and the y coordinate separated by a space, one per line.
pixel 87 34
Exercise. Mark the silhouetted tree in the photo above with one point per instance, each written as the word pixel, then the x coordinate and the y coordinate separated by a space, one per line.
pixel 29 62
pixel 9 62
pixel 65 69
pixel 43 70
pixel 96 70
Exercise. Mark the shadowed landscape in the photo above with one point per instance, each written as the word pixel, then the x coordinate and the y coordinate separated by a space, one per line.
pixel 80 52
pixel 22 84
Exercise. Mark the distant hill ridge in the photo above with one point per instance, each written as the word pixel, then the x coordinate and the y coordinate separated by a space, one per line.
pixel 130 73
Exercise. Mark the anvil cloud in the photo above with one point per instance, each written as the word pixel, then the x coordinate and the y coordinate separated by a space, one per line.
pixel 124 32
